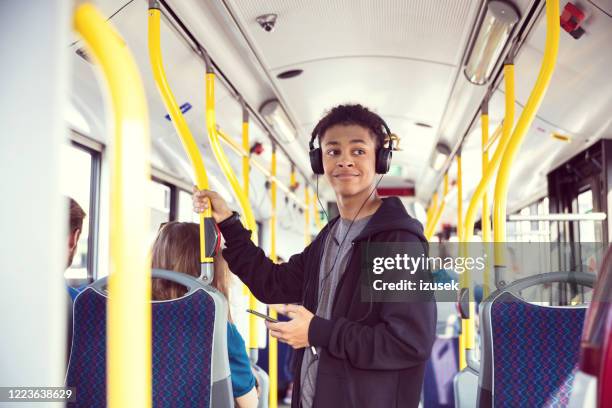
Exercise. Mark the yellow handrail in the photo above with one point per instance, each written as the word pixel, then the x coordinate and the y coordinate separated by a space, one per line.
pixel 189 144
pixel 459 195
pixel 246 161
pixel 485 220
pixel 307 237
pixel 470 216
pixel 462 361
pixel 315 212
pixel 531 107
pixel 431 227
pixel 431 210
pixel 245 154
pixel 496 134
pixel 273 345
pixel 129 309
pixel 245 205
pixel 485 217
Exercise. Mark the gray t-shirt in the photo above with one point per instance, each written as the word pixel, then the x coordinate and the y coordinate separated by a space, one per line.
pixel 336 253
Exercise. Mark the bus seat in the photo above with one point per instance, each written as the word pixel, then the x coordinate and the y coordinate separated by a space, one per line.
pixel 190 360
pixel 529 352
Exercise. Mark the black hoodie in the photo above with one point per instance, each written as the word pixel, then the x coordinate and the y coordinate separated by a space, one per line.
pixel 373 354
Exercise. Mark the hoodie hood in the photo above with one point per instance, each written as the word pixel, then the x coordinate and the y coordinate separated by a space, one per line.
pixel 390 216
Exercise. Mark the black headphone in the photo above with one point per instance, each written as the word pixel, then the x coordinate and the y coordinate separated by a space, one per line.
pixel 383 155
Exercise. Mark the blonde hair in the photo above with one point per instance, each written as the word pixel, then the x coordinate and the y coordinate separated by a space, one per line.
pixel 177 248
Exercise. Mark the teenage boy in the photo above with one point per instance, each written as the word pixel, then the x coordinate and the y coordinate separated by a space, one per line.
pixel 365 354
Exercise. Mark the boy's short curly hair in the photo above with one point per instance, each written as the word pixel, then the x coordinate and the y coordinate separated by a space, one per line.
pixel 352 115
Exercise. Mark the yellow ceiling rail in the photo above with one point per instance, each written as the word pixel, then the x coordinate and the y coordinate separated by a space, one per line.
pixel 496 135
pixel 431 227
pixel 129 309
pixel 273 342
pixel 208 233
pixel 240 150
pixel 551 50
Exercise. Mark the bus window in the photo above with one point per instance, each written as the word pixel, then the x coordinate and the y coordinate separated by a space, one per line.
pixel 76 183
pixel 585 206
pixel 159 202
pixel 185 208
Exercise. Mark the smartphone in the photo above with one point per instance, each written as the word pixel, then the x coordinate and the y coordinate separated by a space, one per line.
pixel 263 316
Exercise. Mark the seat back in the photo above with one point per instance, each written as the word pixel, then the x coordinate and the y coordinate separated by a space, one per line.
pixel 190 361
pixel 529 352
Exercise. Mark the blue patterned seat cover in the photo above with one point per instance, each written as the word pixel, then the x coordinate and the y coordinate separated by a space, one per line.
pixel 182 350
pixel 535 351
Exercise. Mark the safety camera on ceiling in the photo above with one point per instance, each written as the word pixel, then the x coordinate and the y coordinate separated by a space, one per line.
pixel 267 21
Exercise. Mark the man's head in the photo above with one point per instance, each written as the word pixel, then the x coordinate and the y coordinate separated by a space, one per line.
pixel 74 229
pixel 350 138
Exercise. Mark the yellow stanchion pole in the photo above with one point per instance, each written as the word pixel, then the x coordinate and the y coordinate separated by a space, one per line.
pixel 129 285
pixel 462 361
pixel 236 147
pixel 243 200
pixel 246 165
pixel 551 50
pixel 273 345
pixel 493 164
pixel 485 218
pixel 307 237
pixel 208 234
pixel 315 212
pixel 431 228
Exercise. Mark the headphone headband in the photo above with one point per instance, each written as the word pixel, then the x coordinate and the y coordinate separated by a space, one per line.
pixel 315 133
pixel 383 154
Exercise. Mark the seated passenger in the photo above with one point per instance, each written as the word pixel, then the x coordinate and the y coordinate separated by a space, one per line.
pixel 177 248
pixel 75 226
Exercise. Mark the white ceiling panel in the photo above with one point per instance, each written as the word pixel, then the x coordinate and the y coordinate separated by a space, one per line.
pixel 320 29
pixel 404 88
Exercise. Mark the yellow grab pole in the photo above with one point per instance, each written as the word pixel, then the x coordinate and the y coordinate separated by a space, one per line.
pixel 273 346
pixel 431 211
pixel 431 228
pixel 551 49
pixel 459 196
pixel 208 235
pixel 246 166
pixel 307 237
pixel 485 220
pixel 470 216
pixel 129 308
pixel 496 134
pixel 245 206
pixel 462 361
pixel 315 212
pixel 292 178
pixel 236 147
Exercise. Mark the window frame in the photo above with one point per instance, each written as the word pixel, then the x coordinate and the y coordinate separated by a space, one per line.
pixel 95 150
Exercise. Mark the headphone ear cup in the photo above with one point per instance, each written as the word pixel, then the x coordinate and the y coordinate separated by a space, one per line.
pixel 316 160
pixel 383 160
